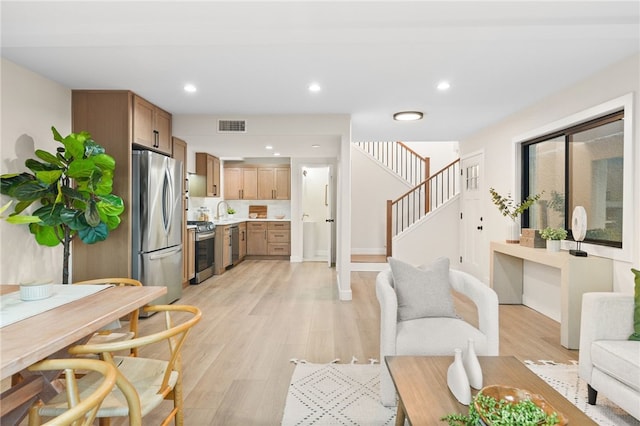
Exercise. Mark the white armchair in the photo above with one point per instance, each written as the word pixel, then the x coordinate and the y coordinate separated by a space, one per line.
pixel 434 336
pixel 608 361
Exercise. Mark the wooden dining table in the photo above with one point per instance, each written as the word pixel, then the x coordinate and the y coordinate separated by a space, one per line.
pixel 49 333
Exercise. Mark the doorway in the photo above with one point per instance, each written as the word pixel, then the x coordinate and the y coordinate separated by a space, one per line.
pixel 316 210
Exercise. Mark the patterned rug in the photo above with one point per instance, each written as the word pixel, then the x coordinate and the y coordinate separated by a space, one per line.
pixel 347 394
pixel 564 379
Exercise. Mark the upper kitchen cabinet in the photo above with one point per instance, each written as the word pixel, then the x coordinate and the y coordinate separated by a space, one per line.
pixel 241 183
pixel 274 183
pixel 151 126
pixel 208 168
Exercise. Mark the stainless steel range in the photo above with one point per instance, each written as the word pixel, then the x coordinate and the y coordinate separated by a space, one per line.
pixel 205 243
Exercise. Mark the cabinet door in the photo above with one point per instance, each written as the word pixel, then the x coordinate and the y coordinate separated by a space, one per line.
pixel 266 177
pixel 191 254
pixel 282 183
pixel 226 249
pixel 215 165
pixel 256 239
pixel 212 189
pixel 143 112
pixel 250 183
pixel 162 126
pixel 242 229
pixel 233 183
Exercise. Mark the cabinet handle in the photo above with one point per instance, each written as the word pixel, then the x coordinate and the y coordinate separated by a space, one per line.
pixel 156 138
pixel 215 190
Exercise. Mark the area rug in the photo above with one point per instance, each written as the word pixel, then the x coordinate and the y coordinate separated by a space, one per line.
pixel 564 379
pixel 336 394
pixel 347 394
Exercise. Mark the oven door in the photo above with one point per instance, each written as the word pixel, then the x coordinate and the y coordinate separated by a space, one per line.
pixel 204 256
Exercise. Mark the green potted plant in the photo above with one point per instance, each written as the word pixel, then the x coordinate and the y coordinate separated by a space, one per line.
pixel 553 236
pixel 71 193
pixel 230 211
pixel 509 208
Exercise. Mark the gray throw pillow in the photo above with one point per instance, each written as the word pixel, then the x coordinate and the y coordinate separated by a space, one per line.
pixel 422 292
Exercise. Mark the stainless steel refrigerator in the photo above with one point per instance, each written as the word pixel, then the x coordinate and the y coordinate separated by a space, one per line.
pixel 157 223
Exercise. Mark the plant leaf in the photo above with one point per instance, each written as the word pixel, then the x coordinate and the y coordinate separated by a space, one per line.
pixel 45 235
pixel 91 214
pixel 21 206
pixel 50 215
pixel 104 162
pixel 91 148
pixel 74 146
pixel 49 158
pixel 74 219
pixel 30 191
pixel 49 176
pixel 111 205
pixel 56 136
pixel 21 219
pixel 79 169
pixel 9 182
pixel 91 235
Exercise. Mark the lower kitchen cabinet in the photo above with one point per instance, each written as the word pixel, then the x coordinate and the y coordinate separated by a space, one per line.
pixel 268 238
pixel 190 254
pixel 256 238
pixel 242 249
pixel 222 252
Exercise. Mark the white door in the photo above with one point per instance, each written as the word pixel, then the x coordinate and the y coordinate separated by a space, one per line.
pixel 317 214
pixel 330 221
pixel 472 252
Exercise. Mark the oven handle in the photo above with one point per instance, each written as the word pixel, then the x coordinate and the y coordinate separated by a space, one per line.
pixel 202 236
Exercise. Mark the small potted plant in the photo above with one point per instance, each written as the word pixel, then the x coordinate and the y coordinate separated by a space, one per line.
pixel 230 212
pixel 553 236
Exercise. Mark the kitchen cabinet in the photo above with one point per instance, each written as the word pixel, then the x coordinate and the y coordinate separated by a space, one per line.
pixel 242 230
pixel 191 254
pixel 241 183
pixel 222 250
pixel 179 152
pixel 274 183
pixel 278 238
pixel 108 116
pixel 268 238
pixel 208 168
pixel 151 126
pixel 256 238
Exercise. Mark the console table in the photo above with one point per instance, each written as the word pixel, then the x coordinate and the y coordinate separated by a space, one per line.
pixel 578 275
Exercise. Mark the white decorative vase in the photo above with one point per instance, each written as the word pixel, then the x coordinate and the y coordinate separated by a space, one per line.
pixel 472 366
pixel 513 232
pixel 457 380
pixel 553 246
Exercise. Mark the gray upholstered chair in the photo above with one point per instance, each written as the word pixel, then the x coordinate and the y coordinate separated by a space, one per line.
pixel 434 335
pixel 609 362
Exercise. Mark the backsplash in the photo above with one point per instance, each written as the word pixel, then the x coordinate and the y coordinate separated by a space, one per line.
pixel 274 207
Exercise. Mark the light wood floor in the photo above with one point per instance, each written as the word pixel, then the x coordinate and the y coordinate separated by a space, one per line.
pixel 261 314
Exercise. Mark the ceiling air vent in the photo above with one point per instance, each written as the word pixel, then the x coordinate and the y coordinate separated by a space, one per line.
pixel 232 126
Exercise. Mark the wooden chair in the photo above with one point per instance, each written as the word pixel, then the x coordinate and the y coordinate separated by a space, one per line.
pixel 152 379
pixel 116 332
pixel 81 407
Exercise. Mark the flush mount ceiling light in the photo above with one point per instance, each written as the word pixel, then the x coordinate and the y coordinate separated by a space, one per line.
pixel 190 88
pixel 443 85
pixel 315 145
pixel 314 87
pixel 408 116
pixel 268 147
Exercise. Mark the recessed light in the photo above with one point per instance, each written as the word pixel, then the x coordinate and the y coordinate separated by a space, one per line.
pixel 268 147
pixel 276 154
pixel 444 85
pixel 190 88
pixel 314 87
pixel 315 145
pixel 407 116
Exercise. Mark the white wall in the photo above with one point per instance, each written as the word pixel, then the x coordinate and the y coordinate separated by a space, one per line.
pixel 31 104
pixel 497 141
pixel 372 185
pixel 441 153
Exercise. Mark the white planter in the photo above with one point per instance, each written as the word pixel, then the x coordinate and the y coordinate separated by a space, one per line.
pixel 513 232
pixel 553 245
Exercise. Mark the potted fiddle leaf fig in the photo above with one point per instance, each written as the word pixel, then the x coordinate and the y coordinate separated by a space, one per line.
pixel 71 193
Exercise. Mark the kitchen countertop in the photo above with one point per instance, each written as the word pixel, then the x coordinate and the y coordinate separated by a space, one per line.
pixel 247 219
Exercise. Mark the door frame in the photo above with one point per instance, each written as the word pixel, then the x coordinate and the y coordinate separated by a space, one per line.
pixel 480 243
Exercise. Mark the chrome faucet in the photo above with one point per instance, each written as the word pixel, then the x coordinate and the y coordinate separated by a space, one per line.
pixel 218 209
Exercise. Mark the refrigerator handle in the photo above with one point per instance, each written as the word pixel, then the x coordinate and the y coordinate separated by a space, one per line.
pixel 165 253
pixel 167 202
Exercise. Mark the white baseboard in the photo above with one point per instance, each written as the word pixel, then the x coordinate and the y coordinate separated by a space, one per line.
pixel 376 251
pixel 363 267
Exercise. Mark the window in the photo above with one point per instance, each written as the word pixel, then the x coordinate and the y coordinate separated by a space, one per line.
pixel 578 166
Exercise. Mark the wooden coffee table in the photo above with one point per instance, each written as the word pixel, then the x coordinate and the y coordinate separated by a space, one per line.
pixel 421 383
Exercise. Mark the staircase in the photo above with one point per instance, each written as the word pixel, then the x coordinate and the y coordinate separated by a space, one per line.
pixel 428 193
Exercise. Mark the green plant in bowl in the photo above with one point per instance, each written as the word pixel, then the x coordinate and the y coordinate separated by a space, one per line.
pixel 231 211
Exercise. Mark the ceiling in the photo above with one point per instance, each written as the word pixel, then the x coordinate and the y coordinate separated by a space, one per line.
pixel 371 58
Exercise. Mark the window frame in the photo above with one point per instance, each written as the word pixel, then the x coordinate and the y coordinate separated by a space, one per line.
pixel 567 134
pixel 630 229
